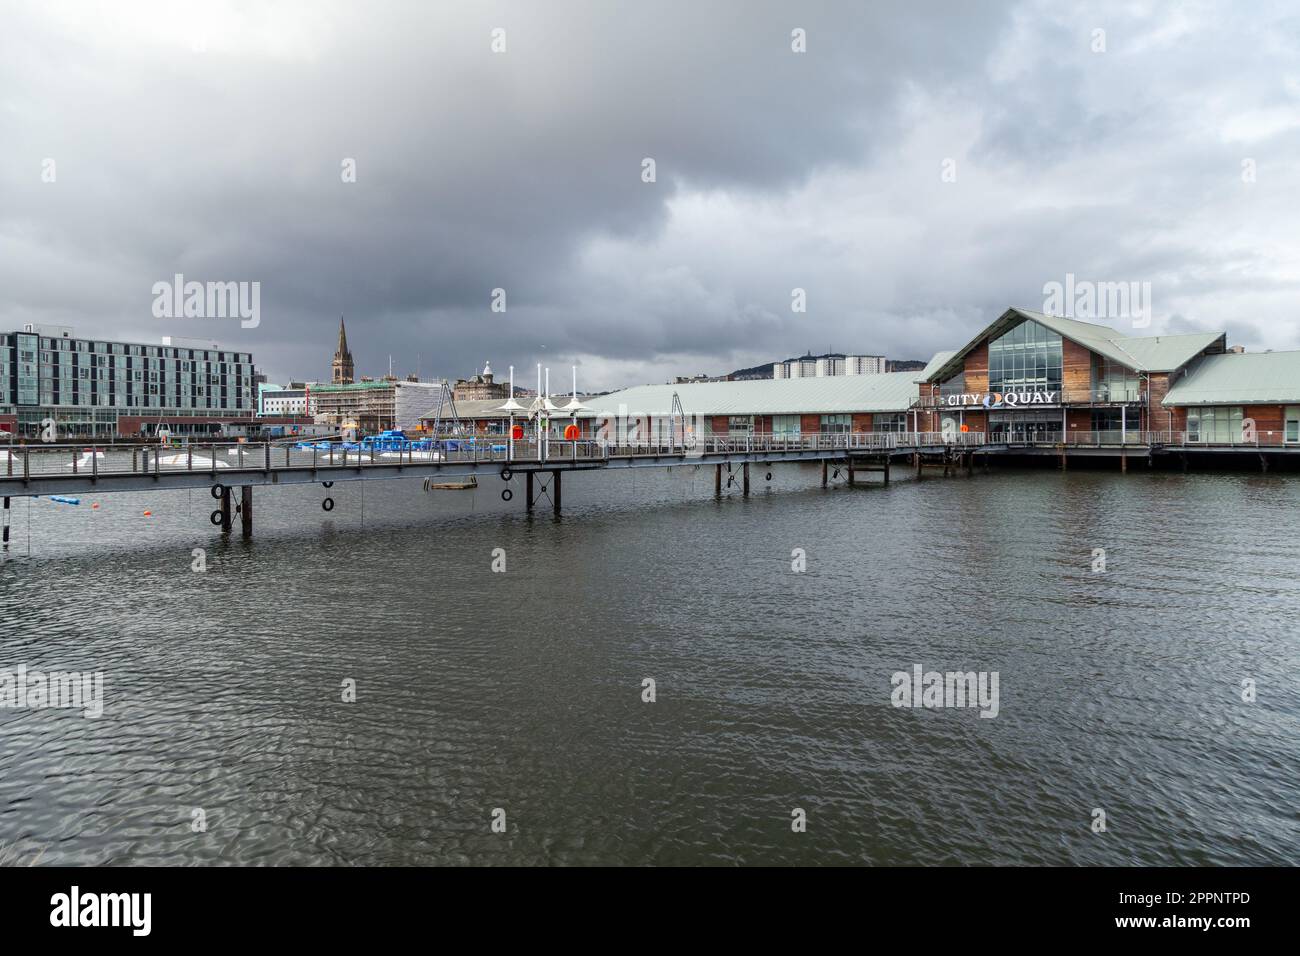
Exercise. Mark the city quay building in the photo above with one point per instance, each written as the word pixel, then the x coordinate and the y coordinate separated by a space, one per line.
pixel 1026 381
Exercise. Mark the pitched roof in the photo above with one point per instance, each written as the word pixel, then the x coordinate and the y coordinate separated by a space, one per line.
pixel 1263 378
pixel 1156 353
pixel 830 395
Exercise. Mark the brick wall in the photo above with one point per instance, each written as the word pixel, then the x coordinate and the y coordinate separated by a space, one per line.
pixel 861 422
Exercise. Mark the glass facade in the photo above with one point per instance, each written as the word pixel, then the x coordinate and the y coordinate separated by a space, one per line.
pixel 1025 359
pixel 889 423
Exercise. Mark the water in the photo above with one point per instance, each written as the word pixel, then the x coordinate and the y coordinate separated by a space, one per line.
pixel 522 690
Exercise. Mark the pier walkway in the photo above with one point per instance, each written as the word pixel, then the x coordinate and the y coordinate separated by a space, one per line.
pixel 65 469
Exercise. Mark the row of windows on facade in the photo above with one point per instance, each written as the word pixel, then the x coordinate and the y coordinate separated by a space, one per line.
pixel 51 361
pixel 121 348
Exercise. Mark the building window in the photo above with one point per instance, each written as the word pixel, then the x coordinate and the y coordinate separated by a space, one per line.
pixel 836 424
pixel 1293 424
pixel 1026 358
pixel 785 426
pixel 1215 425
pixel 740 426
pixel 889 423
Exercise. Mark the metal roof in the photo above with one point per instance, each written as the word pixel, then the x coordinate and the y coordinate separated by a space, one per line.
pixel 830 395
pixel 1249 378
pixel 1156 353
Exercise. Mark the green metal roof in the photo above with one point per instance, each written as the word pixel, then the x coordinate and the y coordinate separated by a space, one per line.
pixel 1156 353
pixel 1249 378
pixel 831 395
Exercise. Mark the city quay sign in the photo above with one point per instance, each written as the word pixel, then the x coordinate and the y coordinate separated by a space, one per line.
pixel 1001 399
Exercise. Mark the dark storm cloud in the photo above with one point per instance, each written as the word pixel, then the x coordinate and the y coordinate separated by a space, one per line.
pixel 208 140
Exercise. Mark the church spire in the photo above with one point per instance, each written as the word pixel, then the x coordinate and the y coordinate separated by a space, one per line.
pixel 342 367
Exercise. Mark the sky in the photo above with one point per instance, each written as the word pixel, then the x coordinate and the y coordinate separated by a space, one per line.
pixel 914 168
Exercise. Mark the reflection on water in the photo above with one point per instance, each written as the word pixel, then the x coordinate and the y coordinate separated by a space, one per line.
pixel 522 690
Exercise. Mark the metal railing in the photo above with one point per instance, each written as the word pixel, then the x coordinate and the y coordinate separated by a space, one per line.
pixel 25 462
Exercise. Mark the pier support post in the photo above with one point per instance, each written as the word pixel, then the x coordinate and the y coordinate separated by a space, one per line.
pixel 1123 463
pixel 1263 464
pixel 717 481
pixel 225 509
pixel 1062 461
pixel 916 458
pixel 745 476
pixel 6 522
pixel 824 472
pixel 246 510
pixel 555 490
pixel 886 469
pixel 850 463
pixel 528 490
pixel 970 463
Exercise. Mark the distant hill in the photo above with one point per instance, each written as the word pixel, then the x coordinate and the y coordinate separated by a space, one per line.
pixel 765 370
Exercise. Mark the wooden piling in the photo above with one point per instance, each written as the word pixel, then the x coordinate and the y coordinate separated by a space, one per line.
pixel 246 510
pixel 555 486
pixel 717 481
pixel 225 510
pixel 745 478
pixel 824 468
pixel 528 490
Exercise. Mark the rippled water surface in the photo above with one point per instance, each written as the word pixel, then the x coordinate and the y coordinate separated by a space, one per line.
pixel 522 690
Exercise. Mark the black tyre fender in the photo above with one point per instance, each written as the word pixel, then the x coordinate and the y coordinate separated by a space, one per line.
pixel 327 504
pixel 506 473
pixel 506 494
pixel 327 484
pixel 215 517
pixel 218 489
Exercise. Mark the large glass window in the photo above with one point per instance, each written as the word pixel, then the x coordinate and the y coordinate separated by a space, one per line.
pixel 1026 358
pixel 785 426
pixel 1293 424
pixel 1217 425
pixel 740 426
pixel 836 424
pixel 889 423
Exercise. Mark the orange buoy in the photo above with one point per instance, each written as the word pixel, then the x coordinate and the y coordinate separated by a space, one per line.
pixel 95 506
pixel 517 433
pixel 570 432
pixel 148 513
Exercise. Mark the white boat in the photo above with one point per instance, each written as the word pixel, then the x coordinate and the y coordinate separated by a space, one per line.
pixel 412 455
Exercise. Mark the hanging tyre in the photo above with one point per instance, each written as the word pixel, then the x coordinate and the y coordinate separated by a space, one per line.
pixel 215 517
pixel 506 473
pixel 507 494
pixel 327 484
pixel 327 504
pixel 217 490
pixel 769 476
